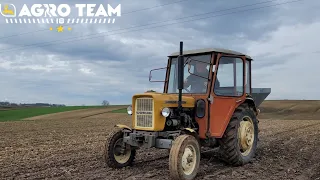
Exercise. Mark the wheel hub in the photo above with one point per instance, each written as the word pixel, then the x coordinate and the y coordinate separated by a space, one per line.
pixel 121 154
pixel 246 135
pixel 189 160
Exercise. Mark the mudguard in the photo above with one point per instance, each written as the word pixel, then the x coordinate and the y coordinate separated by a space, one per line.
pixel 121 126
pixel 252 103
pixel 189 129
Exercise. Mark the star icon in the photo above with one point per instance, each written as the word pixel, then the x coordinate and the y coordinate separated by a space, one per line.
pixel 51 28
pixel 60 29
pixel 69 28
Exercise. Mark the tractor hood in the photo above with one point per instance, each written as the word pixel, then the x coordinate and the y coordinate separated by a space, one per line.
pixel 165 100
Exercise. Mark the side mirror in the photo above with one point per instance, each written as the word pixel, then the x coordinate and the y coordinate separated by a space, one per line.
pixel 161 74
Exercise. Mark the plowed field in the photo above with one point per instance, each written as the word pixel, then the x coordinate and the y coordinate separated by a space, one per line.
pixel 71 146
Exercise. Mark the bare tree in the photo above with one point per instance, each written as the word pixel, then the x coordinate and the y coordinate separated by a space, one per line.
pixel 105 103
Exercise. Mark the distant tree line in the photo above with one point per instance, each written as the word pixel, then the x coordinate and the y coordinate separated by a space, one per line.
pixel 9 104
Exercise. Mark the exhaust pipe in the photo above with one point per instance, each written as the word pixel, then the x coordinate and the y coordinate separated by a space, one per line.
pixel 180 76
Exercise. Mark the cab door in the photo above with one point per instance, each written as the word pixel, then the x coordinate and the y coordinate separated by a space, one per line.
pixel 227 92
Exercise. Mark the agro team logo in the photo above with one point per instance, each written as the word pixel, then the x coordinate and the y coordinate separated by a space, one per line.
pixel 60 14
pixel 8 10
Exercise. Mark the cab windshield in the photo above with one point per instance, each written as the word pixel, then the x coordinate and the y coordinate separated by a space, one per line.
pixel 196 82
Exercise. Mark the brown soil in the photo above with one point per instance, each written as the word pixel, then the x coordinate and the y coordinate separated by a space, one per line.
pixel 71 148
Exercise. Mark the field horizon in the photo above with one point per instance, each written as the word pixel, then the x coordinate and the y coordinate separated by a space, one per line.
pixel 281 109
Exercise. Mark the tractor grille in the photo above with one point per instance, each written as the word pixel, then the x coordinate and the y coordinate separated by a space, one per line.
pixel 144 112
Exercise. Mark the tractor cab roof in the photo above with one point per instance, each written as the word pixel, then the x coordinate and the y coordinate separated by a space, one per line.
pixel 209 50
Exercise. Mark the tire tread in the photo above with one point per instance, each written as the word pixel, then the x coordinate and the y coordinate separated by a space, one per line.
pixel 176 153
pixel 108 151
pixel 228 143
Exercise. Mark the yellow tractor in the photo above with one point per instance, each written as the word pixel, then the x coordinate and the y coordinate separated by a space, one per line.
pixel 213 107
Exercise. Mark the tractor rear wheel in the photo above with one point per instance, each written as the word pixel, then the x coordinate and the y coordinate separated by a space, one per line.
pixel 115 154
pixel 184 158
pixel 239 142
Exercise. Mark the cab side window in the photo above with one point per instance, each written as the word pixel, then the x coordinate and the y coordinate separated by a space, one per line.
pixel 248 77
pixel 230 77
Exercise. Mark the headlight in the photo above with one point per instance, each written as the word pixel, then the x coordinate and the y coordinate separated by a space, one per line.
pixel 129 110
pixel 165 112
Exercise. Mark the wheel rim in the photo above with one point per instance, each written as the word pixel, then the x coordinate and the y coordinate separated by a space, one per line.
pixel 121 157
pixel 246 135
pixel 189 160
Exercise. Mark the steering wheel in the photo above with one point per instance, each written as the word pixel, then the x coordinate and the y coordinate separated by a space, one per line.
pixel 186 89
pixel 192 82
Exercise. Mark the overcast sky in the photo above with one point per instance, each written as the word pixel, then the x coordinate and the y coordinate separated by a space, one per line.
pixel 282 39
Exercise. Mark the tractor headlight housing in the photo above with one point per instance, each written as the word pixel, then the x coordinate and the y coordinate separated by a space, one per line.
pixel 165 112
pixel 129 110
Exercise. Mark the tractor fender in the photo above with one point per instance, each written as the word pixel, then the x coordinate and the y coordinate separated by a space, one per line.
pixel 121 126
pixel 252 105
pixel 190 130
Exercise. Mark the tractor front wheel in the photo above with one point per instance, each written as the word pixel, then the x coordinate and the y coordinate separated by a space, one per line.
pixel 116 153
pixel 239 142
pixel 184 158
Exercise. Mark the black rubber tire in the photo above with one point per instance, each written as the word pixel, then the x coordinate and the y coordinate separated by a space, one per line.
pixel 109 151
pixel 176 153
pixel 229 146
